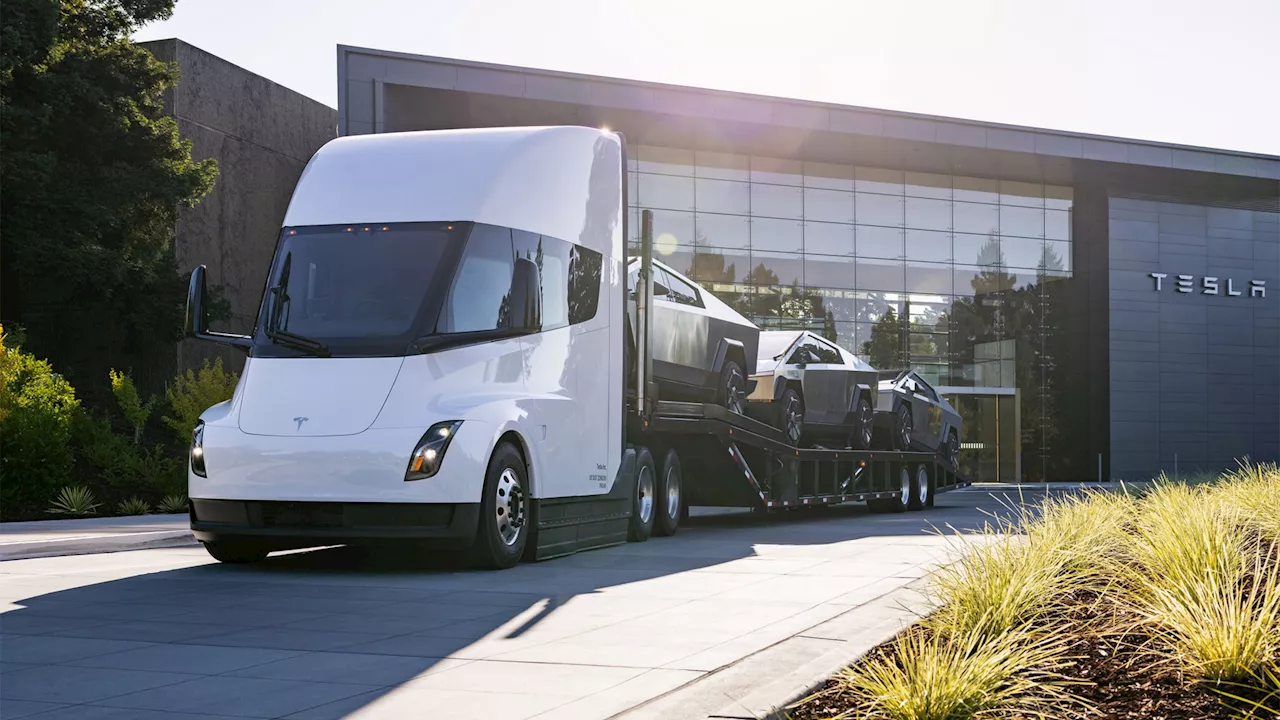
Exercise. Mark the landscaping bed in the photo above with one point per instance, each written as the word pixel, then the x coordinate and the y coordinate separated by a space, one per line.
pixel 1161 606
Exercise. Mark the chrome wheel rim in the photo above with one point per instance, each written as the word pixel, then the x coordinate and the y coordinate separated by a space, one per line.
pixel 904 492
pixel 922 485
pixel 733 391
pixel 509 507
pixel 644 493
pixel 793 418
pixel 673 493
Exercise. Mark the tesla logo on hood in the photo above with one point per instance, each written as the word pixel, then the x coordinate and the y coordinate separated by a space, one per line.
pixel 300 420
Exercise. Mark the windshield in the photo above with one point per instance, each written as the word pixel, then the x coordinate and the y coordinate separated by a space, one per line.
pixel 773 344
pixel 361 288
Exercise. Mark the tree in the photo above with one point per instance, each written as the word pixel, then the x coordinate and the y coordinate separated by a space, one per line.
pixel 884 349
pixel 92 178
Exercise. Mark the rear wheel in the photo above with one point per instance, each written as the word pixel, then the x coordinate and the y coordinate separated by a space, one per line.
pixel 236 553
pixel 643 505
pixel 732 392
pixel 901 499
pixel 503 530
pixel 863 425
pixel 920 490
pixel 951 450
pixel 670 496
pixel 791 415
pixel 902 428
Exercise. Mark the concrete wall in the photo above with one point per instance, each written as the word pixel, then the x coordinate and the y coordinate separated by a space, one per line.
pixel 1193 375
pixel 262 135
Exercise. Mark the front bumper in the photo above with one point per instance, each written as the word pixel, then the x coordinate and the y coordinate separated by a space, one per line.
pixel 304 524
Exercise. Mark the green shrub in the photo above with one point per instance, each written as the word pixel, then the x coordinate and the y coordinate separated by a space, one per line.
pixel 77 500
pixel 125 469
pixel 133 506
pixel 173 504
pixel 134 410
pixel 37 408
pixel 194 392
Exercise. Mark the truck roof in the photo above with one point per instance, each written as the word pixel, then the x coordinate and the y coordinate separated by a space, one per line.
pixel 560 181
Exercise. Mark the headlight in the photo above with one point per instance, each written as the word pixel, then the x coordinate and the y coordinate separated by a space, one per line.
pixel 426 458
pixel 197 450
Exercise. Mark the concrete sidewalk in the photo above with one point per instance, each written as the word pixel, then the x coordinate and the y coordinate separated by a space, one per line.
pixel 44 538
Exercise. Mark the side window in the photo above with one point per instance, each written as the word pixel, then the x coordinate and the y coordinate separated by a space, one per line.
pixel 585 266
pixel 660 283
pixel 682 292
pixel 826 354
pixel 806 352
pixel 477 300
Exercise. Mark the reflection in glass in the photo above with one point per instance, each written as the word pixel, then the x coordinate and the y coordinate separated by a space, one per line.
pixel 723 196
pixel 1057 224
pixel 777 235
pixel 928 185
pixel 829 176
pixel 663 160
pixel 1021 193
pixel 828 238
pixel 712 265
pixel 769 268
pixel 884 210
pixel 877 180
pixel 722 165
pixel 828 271
pixel 978 190
pixel 671 230
pixel 1021 221
pixel 777 171
pixel 975 218
pixel 878 242
pixel 722 231
pixel 777 201
pixel 926 214
pixel 881 275
pixel 1022 252
pixel 667 192
pixel 828 205
pixel 928 245
pixel 932 278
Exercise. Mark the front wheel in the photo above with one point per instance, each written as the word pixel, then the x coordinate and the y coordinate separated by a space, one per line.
pixel 503 530
pixel 732 393
pixel 951 450
pixel 902 428
pixel 236 553
pixel 863 426
pixel 791 415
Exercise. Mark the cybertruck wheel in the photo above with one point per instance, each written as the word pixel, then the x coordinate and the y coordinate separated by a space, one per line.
pixel 236 553
pixel 643 497
pixel 503 530
pixel 864 423
pixel 791 415
pixel 670 496
pixel 732 391
pixel 951 450
pixel 902 428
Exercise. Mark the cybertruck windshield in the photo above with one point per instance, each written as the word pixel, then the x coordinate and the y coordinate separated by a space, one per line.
pixel 357 290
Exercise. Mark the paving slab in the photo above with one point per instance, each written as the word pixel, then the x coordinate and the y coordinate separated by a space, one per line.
pixel 729 617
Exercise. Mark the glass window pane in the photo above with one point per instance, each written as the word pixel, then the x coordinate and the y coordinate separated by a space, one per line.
pixel 882 275
pixel 769 268
pixel 932 278
pixel 975 218
pixel 1057 197
pixel 664 161
pixel 928 245
pixel 928 313
pixel 711 267
pixel 777 171
pixel 828 238
pixel 873 306
pixel 924 347
pixel 839 301
pixel 828 205
pixel 725 231
pixel 633 225
pixel 828 271
pixel 778 201
pixel 979 190
pixel 878 242
pixel 976 280
pixel 876 180
pixel 1021 252
pixel 846 336
pixel 1057 224
pixel 1021 221
pixel 829 176
pixel 482 283
pixel 585 266
pixel 926 214
pixel 885 210
pixel 1057 255
pixel 723 196
pixel 633 189
pixel 975 249
pixel 666 192
pixel 1020 193
pixel 722 165
pixel 672 230
pixel 928 185
pixel 681 260
pixel 777 235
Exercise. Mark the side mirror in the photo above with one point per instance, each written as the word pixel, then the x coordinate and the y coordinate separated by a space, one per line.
pixel 196 323
pixel 526 296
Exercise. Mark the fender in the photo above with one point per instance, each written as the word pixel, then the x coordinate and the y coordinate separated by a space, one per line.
pixel 780 386
pixel 852 413
pixel 722 352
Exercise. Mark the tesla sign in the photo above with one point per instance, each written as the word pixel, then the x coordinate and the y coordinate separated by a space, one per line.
pixel 1212 286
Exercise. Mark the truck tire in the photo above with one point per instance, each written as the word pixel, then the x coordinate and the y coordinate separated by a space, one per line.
pixel 503 530
pixel 236 553
pixel 921 491
pixel 643 505
pixel 951 449
pixel 731 393
pixel 864 421
pixel 791 415
pixel 669 496
pixel 902 428
pixel 901 499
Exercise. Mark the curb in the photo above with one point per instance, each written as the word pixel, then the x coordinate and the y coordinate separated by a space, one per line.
pixel 93 544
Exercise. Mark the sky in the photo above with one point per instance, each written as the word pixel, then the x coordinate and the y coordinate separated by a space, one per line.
pixel 1188 72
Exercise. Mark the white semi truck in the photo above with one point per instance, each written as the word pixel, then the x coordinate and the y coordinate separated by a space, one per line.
pixel 447 351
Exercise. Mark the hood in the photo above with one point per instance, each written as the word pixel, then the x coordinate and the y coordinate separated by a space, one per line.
pixel 307 397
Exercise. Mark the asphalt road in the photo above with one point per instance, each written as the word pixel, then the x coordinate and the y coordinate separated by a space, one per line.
pixel 332 633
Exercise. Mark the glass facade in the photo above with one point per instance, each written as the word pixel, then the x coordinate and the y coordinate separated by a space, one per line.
pixel 954 276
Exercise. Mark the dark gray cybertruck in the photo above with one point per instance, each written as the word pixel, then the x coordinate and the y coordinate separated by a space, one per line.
pixel 911 415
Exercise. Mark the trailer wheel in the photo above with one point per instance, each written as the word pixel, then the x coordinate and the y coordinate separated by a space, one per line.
pixel 643 505
pixel 503 530
pixel 236 553
pixel 901 499
pixel 670 496
pixel 920 489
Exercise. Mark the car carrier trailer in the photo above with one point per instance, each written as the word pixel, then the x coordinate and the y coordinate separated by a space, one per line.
pixel 447 351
